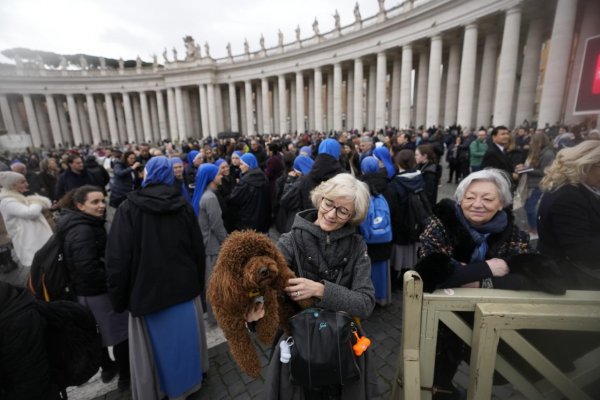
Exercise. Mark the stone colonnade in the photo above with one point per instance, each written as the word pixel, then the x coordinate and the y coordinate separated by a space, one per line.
pixel 481 73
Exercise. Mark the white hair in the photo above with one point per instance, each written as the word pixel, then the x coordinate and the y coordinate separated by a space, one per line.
pixel 496 176
pixel 345 186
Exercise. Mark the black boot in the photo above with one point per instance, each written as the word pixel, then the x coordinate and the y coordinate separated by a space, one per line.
pixel 108 366
pixel 121 352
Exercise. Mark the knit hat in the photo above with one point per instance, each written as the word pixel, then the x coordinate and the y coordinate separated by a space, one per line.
pixel 9 179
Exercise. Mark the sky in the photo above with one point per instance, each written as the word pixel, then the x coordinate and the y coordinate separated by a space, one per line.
pixel 128 28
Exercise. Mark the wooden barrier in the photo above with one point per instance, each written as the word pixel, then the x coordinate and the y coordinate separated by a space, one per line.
pixel 499 314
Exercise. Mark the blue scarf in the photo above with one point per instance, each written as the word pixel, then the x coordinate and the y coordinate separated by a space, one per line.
pixel 205 175
pixel 383 154
pixel 331 147
pixel 369 165
pixel 184 191
pixel 480 233
pixel 159 170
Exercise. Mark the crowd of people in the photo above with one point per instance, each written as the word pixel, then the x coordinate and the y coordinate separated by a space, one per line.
pixel 142 226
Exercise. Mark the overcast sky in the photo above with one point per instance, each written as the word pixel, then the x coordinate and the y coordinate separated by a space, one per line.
pixel 128 28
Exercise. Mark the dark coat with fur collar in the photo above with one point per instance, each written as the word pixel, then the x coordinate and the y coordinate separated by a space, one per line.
pixel 446 243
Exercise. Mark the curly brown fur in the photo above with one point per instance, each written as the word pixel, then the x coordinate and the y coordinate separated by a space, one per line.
pixel 248 261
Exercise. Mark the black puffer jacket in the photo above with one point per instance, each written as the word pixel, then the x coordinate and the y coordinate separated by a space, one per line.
pixel 378 184
pixel 324 168
pixel 154 252
pixel 84 244
pixel 403 184
pixel 24 364
pixel 249 202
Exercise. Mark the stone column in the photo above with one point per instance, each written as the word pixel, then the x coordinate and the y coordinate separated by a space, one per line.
pixel 422 88
pixel 380 91
pixel 452 70
pixel 243 111
pixel 557 67
pixel 293 109
pixel 259 109
pixel 120 112
pixel 129 122
pixel 36 138
pixel 310 86
pixel 137 119
pixel 145 117
pixel 154 117
pixel 14 109
pixel 102 119
pixel 112 119
pixel 350 99
pixel 162 119
pixel 219 109
pixel 529 72
pixel 434 82
pixel 233 110
pixel 299 102
pixel 395 106
pixel 276 106
pixel 9 122
pixel 329 100
pixel 358 94
pixel 52 114
pixel 204 111
pixel 282 104
pixel 43 122
pixel 264 83
pixel 180 116
pixel 487 80
pixel 466 88
pixel 507 68
pixel 94 125
pixel 337 97
pixel 249 108
pixel 405 87
pixel 372 95
pixel 83 121
pixel 212 109
pixel 62 120
pixel 172 110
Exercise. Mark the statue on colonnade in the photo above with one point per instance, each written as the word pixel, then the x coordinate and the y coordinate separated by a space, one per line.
pixel 191 52
pixel 83 62
pixel 262 42
pixel 357 17
pixel 298 33
pixel 280 38
pixel 207 49
pixel 336 17
pixel 381 14
pixel 246 47
pixel 175 54
pixel 121 63
pixel 63 62
pixel 315 27
pixel 164 54
pixel 228 47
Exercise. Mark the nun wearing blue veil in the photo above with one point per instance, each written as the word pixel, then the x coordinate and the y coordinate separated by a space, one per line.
pixel 190 168
pixel 380 253
pixel 383 154
pixel 159 277
pixel 207 209
pixel 290 201
pixel 180 180
pixel 249 201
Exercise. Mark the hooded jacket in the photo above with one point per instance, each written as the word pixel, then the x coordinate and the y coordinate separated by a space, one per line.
pixel 249 202
pixel 154 252
pixel 84 244
pixel 403 184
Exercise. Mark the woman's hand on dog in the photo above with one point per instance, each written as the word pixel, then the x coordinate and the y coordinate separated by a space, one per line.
pixel 302 288
pixel 256 312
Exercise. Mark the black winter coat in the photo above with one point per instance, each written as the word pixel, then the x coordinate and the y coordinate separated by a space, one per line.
pixel 155 252
pixel 249 202
pixel 324 168
pixel 378 184
pixel 289 203
pixel 84 244
pixel 69 180
pixel 569 229
pixel 402 184
pixel 124 180
pixel 24 363
pixel 431 176
pixel 495 158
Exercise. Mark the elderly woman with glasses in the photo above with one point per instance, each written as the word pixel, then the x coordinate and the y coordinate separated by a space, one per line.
pixel 336 273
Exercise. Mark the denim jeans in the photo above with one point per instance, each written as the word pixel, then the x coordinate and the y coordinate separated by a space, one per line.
pixel 531 208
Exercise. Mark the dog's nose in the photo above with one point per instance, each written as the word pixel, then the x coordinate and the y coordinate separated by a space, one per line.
pixel 263 271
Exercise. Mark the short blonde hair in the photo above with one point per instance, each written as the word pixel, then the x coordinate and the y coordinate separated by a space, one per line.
pixel 571 165
pixel 344 186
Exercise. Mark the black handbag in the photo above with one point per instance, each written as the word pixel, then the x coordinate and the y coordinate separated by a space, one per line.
pixel 322 354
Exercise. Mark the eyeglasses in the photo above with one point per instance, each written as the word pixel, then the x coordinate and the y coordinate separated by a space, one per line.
pixel 341 212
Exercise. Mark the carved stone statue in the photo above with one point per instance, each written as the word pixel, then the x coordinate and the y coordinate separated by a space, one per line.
pixel 102 63
pixel 336 17
pixel 83 62
pixel 381 6
pixel 138 62
pixel 174 54
pixel 154 60
pixel 207 49
pixel 165 55
pixel 228 47
pixel 298 33
pixel 315 27
pixel 280 38
pixel 262 42
pixel 121 63
pixel 246 47
pixel 198 50
pixel 63 62
pixel 18 62
pixel 357 17
pixel 190 48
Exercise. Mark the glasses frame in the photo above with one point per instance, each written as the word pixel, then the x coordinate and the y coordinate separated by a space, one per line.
pixel 336 208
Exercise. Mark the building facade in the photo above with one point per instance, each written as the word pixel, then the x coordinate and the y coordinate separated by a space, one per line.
pixel 421 63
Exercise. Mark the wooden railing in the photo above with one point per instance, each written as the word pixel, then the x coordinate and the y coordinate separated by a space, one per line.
pixel 499 314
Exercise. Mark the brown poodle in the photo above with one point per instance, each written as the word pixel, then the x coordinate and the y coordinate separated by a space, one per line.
pixel 249 266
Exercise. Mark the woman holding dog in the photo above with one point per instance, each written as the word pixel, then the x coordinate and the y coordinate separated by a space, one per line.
pixel 336 275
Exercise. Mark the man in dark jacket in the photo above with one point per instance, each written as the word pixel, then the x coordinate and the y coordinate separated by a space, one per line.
pixel 496 155
pixel 259 153
pixel 99 174
pixel 24 363
pixel 75 176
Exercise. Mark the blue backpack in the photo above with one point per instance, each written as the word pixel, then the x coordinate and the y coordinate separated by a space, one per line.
pixel 377 226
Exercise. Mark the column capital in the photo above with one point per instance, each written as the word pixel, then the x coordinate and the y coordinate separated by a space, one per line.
pixel 514 9
pixel 471 25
